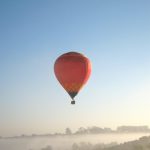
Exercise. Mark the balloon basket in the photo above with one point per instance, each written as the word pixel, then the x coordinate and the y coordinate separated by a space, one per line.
pixel 73 102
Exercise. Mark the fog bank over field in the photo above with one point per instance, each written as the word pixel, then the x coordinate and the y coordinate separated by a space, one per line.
pixel 90 138
pixel 68 142
pixel 141 144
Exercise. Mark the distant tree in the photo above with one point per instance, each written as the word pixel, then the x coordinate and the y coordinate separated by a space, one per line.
pixel 96 130
pixel 68 131
pixel 82 130
pixel 108 130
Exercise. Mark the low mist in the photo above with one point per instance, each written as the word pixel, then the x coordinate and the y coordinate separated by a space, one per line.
pixel 69 142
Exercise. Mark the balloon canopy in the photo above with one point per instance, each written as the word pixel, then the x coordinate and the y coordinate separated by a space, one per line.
pixel 72 70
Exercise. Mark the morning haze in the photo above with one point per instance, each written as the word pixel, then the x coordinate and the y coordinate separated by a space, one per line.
pixel 114 35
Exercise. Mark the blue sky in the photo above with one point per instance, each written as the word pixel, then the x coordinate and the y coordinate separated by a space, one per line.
pixel 114 35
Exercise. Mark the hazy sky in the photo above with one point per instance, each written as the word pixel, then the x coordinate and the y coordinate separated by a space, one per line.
pixel 114 34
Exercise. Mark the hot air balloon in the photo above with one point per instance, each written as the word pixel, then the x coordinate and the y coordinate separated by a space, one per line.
pixel 72 70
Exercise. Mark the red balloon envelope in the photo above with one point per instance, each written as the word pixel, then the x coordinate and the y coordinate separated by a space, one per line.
pixel 72 70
